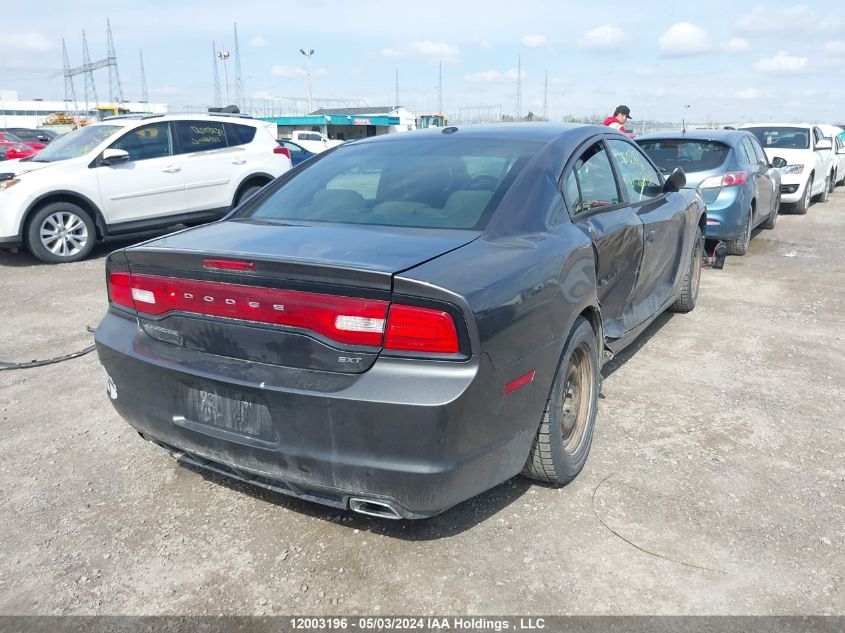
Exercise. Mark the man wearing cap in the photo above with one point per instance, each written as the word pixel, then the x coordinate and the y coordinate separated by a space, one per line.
pixel 620 117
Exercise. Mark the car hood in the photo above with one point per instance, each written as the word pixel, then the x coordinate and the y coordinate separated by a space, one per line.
pixel 18 166
pixel 791 156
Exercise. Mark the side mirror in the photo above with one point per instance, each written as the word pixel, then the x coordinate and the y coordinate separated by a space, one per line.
pixel 778 162
pixel 824 144
pixel 115 156
pixel 840 149
pixel 676 181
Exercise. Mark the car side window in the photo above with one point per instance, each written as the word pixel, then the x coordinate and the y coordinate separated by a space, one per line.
pixel 591 183
pixel 642 181
pixel 758 150
pixel 198 136
pixel 748 151
pixel 149 141
pixel 817 134
pixel 238 134
pixel 293 148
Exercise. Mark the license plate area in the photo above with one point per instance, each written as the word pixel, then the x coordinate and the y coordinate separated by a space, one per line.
pixel 230 411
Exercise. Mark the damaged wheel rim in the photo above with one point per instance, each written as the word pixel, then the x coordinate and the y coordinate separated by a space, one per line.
pixel 577 398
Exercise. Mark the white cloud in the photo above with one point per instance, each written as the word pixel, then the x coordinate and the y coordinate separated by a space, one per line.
pixel 258 42
pixel 768 19
pixel 645 71
pixel 26 43
pixel 684 38
pixel 280 70
pixel 736 45
pixel 481 43
pixel 604 38
pixel 781 62
pixel 834 49
pixel 534 40
pixel 494 76
pixel 748 94
pixel 433 51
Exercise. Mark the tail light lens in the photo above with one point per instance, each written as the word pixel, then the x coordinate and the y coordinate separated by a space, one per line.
pixel 730 179
pixel 349 320
pixel 282 150
pixel 414 329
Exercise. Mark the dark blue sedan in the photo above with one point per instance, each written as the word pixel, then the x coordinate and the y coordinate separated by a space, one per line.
pixel 739 186
pixel 410 320
pixel 298 154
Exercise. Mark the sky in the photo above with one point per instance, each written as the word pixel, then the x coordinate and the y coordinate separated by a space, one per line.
pixel 724 61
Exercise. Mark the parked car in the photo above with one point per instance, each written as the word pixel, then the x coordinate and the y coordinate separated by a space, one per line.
pixel 16 149
pixel 809 157
pixel 26 134
pixel 837 136
pixel 409 321
pixel 298 154
pixel 133 173
pixel 739 186
pixel 8 137
pixel 312 141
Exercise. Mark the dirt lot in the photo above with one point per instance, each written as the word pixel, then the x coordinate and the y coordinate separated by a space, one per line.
pixel 716 483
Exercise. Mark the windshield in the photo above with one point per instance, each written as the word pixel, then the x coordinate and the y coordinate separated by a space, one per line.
pixel 689 154
pixel 75 144
pixel 10 138
pixel 782 137
pixel 428 183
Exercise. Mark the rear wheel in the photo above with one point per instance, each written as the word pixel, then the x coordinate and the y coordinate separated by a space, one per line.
pixel 739 246
pixel 825 194
pixel 772 219
pixel 61 232
pixel 692 278
pixel 563 440
pixel 804 204
pixel 248 193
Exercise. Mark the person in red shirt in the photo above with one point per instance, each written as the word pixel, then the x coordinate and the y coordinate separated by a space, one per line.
pixel 620 116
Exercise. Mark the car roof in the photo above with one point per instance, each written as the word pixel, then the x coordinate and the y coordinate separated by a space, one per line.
pixel 542 132
pixel 142 119
pixel 798 125
pixel 725 136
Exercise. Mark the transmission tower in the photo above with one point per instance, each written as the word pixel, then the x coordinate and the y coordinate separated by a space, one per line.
pixel 546 97
pixel 518 88
pixel 87 69
pixel 70 93
pixel 145 97
pixel 217 96
pixel 115 89
pixel 239 80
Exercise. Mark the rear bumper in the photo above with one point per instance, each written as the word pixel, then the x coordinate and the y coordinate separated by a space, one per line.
pixel 419 436
pixel 726 214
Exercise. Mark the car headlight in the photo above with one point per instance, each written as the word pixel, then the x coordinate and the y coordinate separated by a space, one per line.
pixel 5 184
pixel 792 169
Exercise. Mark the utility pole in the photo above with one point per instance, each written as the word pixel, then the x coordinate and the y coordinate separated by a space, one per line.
pixel 518 88
pixel 115 89
pixel 224 55
pixel 90 86
pixel 70 93
pixel 440 88
pixel 396 100
pixel 546 98
pixel 217 97
pixel 145 97
pixel 308 77
pixel 239 79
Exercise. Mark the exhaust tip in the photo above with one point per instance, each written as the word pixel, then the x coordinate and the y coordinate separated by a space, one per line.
pixel 381 509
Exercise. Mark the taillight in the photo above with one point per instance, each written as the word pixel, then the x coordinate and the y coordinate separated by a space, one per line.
pixel 730 179
pixel 281 150
pixel 119 290
pixel 414 329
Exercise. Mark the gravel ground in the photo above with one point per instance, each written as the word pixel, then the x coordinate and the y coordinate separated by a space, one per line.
pixel 716 482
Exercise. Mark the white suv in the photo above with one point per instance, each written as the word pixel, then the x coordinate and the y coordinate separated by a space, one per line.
pixel 133 173
pixel 808 170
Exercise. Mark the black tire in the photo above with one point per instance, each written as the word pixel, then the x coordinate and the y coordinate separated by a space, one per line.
pixel 563 439
pixel 801 207
pixel 772 218
pixel 247 193
pixel 692 279
pixel 61 232
pixel 739 246
pixel 831 183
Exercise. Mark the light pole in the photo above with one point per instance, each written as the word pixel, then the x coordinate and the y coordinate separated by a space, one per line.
pixel 224 55
pixel 308 77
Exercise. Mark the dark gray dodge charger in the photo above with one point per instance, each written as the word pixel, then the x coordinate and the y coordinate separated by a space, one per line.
pixel 404 321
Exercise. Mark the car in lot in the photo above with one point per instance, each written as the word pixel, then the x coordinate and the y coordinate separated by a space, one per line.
pixel 15 148
pixel 298 154
pixel 133 173
pixel 809 170
pixel 407 322
pixel 837 136
pixel 738 184
pixel 8 137
pixel 29 135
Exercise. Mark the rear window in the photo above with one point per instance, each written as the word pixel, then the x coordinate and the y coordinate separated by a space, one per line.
pixel 432 183
pixel 782 137
pixel 239 134
pixel 198 136
pixel 688 154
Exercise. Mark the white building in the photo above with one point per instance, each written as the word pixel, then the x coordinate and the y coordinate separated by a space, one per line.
pixel 32 114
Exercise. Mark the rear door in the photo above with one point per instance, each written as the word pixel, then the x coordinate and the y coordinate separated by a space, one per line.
pixel 150 184
pixel 764 185
pixel 596 205
pixel 210 167
pixel 663 217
